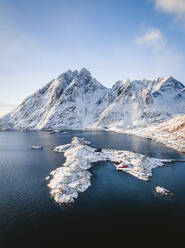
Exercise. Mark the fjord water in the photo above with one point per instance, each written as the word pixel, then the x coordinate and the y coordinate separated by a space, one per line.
pixel 117 206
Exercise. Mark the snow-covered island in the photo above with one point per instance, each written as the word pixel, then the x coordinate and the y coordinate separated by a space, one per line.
pixel 37 147
pixel 73 177
pixel 162 190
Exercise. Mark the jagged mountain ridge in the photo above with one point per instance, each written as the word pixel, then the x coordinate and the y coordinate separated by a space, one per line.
pixel 140 102
pixel 75 100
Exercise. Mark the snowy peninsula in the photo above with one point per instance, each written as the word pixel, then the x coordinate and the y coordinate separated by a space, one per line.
pixel 73 177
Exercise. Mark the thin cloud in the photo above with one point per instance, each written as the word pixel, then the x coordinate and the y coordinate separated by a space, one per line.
pixel 171 6
pixel 153 37
pixel 158 48
pixel 174 7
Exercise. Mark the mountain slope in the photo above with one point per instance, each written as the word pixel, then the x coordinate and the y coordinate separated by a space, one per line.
pixel 75 100
pixel 138 103
pixel 66 102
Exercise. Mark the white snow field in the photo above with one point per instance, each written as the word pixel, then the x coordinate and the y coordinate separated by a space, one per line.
pixel 73 177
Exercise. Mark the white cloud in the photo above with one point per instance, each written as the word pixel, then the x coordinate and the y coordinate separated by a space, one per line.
pixel 171 6
pixel 164 56
pixel 153 37
pixel 174 7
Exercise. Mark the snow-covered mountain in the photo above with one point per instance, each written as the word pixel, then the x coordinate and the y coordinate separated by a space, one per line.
pixel 138 103
pixel 70 101
pixel 75 100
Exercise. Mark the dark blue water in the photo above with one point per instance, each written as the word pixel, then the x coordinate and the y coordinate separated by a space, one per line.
pixel 116 207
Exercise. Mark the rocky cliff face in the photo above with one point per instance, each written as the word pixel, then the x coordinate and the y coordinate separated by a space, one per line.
pixel 75 100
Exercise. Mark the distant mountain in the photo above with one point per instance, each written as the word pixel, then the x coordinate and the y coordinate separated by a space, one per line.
pixel 75 100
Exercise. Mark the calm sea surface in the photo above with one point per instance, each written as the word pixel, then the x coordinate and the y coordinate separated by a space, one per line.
pixel 117 207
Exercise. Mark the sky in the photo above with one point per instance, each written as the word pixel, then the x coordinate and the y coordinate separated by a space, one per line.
pixel 113 39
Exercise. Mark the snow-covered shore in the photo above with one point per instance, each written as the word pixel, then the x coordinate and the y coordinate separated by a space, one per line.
pixel 74 178
pixel 170 133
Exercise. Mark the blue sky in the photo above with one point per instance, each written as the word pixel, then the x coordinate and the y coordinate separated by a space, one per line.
pixel 114 39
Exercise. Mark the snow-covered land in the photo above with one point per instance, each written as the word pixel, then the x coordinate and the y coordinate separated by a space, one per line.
pixel 73 177
pixel 75 100
pixel 171 133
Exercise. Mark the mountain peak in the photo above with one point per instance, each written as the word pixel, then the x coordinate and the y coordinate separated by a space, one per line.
pixel 70 75
pixel 85 74
pixel 167 84
pixel 164 79
pixel 84 71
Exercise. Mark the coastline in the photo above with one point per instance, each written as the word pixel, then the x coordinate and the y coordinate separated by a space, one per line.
pixel 171 140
